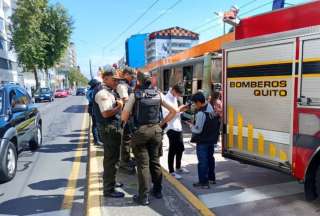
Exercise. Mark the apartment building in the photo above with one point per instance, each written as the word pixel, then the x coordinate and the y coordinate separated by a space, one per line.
pixel 167 42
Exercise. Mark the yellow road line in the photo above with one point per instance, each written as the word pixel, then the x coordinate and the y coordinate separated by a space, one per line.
pixel 194 201
pixel 93 207
pixel 74 175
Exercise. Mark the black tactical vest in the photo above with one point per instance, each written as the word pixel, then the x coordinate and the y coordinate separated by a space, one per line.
pixel 210 131
pixel 96 109
pixel 147 107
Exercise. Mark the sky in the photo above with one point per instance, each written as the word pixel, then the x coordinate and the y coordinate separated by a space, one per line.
pixel 99 25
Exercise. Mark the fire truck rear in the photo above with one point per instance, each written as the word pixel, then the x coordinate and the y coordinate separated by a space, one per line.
pixel 272 93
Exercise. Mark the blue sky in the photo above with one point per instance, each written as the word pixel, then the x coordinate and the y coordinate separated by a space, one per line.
pixel 98 23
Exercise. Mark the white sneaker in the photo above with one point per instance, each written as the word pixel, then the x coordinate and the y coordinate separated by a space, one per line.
pixel 183 171
pixel 177 176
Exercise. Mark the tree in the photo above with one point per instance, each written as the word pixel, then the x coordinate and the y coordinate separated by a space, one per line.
pixel 57 26
pixel 28 39
pixel 75 76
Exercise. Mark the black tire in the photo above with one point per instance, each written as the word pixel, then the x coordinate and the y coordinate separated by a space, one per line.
pixel 36 141
pixel 317 181
pixel 7 172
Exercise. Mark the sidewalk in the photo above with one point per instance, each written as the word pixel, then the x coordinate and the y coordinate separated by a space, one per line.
pixel 173 202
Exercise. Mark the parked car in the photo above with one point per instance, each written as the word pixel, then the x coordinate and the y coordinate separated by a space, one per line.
pixel 20 126
pixel 81 92
pixel 43 94
pixel 60 93
pixel 69 90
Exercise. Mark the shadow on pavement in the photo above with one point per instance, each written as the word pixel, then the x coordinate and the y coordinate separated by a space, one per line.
pixel 85 140
pixel 59 148
pixel 76 109
pixel 30 205
pixel 75 135
pixel 83 159
pixel 54 184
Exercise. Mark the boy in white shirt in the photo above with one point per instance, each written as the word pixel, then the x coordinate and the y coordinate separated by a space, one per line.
pixel 174 131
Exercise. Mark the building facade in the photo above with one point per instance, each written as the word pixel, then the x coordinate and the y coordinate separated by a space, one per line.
pixel 69 60
pixel 167 42
pixel 8 60
pixel 135 50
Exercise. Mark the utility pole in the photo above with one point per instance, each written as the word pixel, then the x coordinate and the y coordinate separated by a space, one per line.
pixel 90 69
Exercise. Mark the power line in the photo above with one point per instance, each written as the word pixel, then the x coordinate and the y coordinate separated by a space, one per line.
pixel 162 14
pixel 256 8
pixel 210 27
pixel 154 20
pixel 247 4
pixel 217 18
pixel 133 23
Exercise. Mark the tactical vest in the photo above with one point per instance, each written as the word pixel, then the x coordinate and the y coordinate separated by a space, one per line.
pixel 96 109
pixel 210 131
pixel 147 107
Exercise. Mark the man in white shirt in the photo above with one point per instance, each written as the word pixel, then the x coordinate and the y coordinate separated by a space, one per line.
pixel 174 131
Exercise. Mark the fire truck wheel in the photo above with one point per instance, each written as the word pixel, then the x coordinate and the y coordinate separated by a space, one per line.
pixel 317 181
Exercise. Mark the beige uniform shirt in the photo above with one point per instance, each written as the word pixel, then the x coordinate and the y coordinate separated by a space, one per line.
pixel 130 104
pixel 105 100
pixel 122 90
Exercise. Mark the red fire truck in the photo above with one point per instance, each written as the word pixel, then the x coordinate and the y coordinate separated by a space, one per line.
pixel 272 93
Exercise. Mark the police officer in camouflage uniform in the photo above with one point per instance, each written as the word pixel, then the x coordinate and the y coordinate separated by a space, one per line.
pixel 107 108
pixel 145 106
pixel 124 89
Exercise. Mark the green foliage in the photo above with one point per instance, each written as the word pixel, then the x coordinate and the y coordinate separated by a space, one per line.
pixel 28 39
pixel 57 25
pixel 77 78
pixel 40 34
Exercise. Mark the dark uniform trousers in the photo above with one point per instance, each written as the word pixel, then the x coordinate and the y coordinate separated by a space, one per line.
pixel 147 150
pixel 126 145
pixel 111 138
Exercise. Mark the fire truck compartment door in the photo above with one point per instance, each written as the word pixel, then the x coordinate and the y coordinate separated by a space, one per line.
pixel 259 96
pixel 310 72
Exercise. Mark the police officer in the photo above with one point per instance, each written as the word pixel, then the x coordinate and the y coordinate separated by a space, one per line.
pixel 125 88
pixel 107 110
pixel 145 104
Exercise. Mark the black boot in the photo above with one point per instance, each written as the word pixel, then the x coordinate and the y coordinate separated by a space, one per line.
pixel 141 201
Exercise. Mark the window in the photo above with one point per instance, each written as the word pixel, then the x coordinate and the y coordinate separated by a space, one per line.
pixel 19 97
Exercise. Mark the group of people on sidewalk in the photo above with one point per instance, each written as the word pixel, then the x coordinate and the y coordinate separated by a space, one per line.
pixel 129 113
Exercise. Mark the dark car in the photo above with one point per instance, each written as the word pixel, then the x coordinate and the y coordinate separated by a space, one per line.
pixel 81 92
pixel 43 94
pixel 20 127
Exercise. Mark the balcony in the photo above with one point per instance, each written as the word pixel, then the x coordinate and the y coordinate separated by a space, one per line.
pixel 6 4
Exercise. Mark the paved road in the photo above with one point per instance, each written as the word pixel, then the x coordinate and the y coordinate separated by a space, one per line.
pixel 43 185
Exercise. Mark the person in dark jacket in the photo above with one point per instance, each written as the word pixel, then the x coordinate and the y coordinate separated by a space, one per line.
pixel 205 133
pixel 94 83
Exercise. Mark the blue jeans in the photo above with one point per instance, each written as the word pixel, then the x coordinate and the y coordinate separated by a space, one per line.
pixel 206 162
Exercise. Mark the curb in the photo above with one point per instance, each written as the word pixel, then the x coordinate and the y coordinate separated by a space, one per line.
pixel 188 195
pixel 93 198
